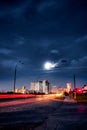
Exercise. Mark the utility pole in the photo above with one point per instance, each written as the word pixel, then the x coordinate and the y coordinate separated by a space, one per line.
pixel 74 81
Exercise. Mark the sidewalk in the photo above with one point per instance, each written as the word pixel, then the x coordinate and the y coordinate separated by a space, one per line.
pixel 68 99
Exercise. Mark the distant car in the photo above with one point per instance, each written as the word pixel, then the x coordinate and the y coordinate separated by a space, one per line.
pixel 80 91
pixel 77 92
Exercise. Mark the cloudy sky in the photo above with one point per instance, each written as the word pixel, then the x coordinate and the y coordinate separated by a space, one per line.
pixel 35 31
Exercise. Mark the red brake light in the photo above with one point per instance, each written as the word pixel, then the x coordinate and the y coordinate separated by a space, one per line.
pixel 79 90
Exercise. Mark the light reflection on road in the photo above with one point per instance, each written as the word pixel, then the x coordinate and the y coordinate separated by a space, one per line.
pixel 82 108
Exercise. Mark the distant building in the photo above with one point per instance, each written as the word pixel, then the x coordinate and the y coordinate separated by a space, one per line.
pixel 54 89
pixel 40 86
pixel 46 87
pixel 23 90
pixel 17 90
pixel 69 87
pixel 32 86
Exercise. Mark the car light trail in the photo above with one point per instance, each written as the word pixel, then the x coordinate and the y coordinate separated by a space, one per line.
pixel 12 96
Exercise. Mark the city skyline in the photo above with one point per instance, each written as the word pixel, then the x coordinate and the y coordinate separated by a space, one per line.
pixel 34 32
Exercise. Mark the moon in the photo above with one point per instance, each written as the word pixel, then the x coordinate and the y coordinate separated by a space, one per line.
pixel 49 65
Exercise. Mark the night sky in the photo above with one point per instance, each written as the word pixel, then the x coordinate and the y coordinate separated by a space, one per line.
pixel 35 31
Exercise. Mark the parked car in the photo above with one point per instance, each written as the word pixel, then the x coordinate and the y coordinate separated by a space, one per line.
pixel 80 92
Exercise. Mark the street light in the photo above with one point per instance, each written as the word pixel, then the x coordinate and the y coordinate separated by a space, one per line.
pixel 15 71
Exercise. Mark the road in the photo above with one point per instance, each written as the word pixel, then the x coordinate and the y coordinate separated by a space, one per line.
pixel 43 113
pixel 26 103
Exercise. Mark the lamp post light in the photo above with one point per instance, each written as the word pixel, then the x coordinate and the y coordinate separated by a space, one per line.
pixel 15 72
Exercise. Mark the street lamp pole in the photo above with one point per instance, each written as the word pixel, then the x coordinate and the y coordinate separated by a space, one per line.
pixel 15 71
pixel 15 77
pixel 74 81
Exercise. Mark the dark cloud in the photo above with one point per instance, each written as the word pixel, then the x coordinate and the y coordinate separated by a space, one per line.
pixel 38 30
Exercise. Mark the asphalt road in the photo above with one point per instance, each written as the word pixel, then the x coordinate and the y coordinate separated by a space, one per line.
pixel 43 113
